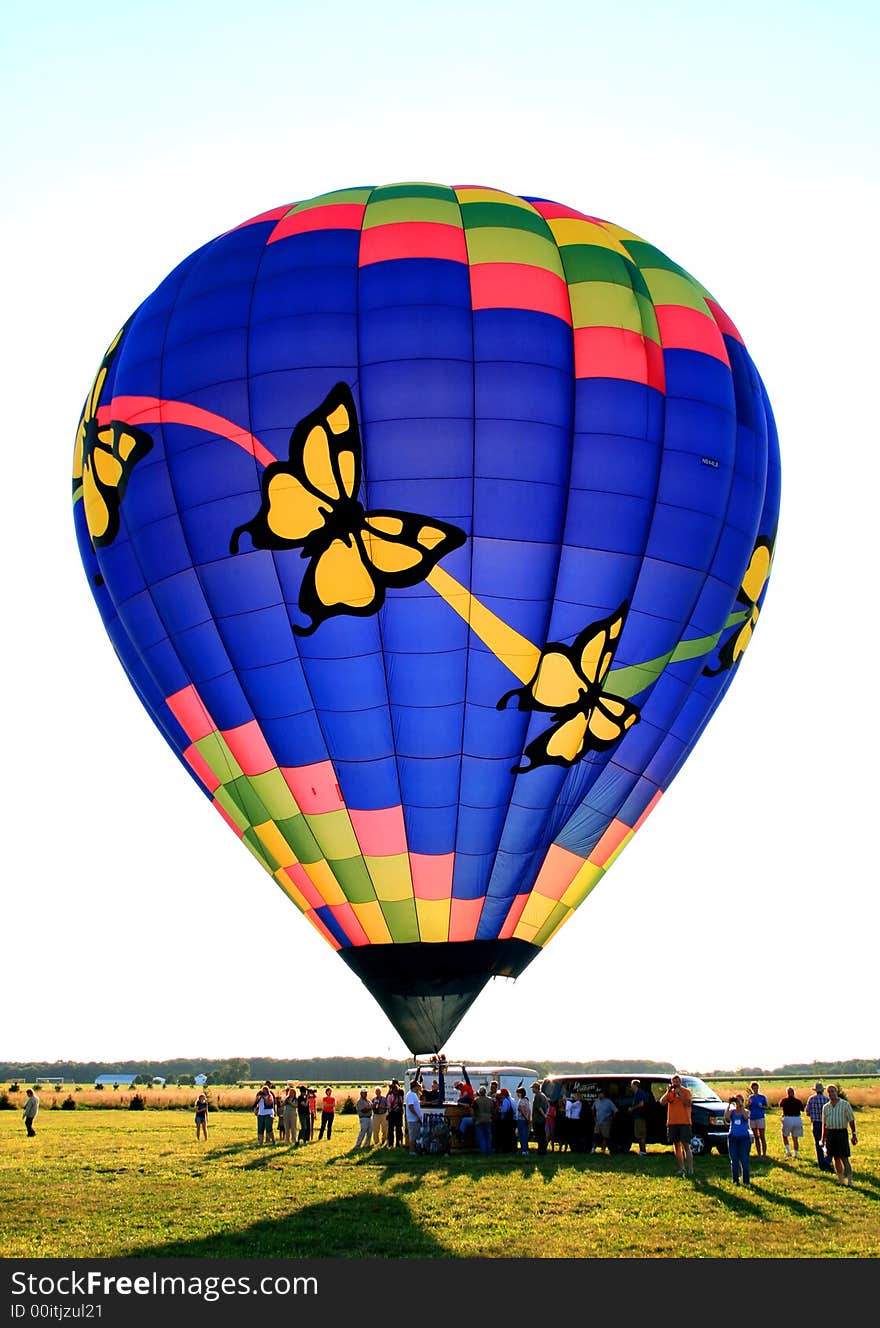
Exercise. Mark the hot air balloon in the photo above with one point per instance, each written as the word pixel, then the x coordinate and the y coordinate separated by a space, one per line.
pixel 430 525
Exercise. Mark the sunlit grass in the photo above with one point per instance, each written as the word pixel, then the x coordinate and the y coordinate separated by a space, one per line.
pixel 110 1183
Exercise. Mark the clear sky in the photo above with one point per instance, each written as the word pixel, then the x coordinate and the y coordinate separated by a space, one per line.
pixel 741 925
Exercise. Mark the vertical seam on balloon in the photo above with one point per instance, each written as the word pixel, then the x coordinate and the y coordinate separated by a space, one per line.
pixel 599 761
pixel 148 586
pixel 715 701
pixel 663 733
pixel 195 572
pixel 378 616
pixel 467 657
pixel 528 858
pixel 315 710
pixel 155 712
pixel 281 600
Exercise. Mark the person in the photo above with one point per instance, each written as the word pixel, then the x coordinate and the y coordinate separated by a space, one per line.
pixel 313 1111
pixel 379 1105
pixel 395 1115
pixel 201 1110
pixel 304 1116
pixel 573 1121
pixel 792 1123
pixel 279 1116
pixel 739 1139
pixel 814 1104
pixel 31 1107
pixel 540 1107
pixel 550 1126
pixel 328 1112
pixel 757 1105
pixel 506 1122
pixel 265 1111
pixel 677 1101
pixel 638 1113
pixel 466 1092
pixel 466 1102
pixel 523 1119
pixel 364 1109
pixel 837 1114
pixel 604 1111
pixel 414 1116
pixel 484 1108
pixel 289 1116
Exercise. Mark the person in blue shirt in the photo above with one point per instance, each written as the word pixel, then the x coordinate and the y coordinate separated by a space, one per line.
pixel 757 1105
pixel 739 1139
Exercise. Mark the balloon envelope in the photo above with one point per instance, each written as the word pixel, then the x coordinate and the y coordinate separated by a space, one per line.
pixel 430 526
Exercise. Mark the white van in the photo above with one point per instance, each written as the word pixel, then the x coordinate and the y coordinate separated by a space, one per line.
pixel 510 1077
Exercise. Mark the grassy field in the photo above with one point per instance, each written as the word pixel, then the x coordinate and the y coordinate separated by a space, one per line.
pixel 111 1183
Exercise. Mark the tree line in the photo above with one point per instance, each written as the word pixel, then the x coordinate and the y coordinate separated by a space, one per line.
pixel 370 1069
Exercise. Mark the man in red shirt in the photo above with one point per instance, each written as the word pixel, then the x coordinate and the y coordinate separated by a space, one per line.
pixel 677 1100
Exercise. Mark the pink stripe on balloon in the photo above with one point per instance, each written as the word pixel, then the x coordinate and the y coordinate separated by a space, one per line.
pixel 519 286
pixel 154 410
pixel 272 215
pixel 379 833
pixel 513 917
pixel 189 710
pixel 432 874
pixel 464 918
pixel 412 239
pixel 250 749
pixel 727 326
pixel 647 812
pixel 348 921
pixel 615 352
pixel 549 210
pixel 688 329
pixel 331 217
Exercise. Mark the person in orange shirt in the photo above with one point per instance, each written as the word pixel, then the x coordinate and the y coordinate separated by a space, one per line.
pixel 328 1111
pixel 677 1100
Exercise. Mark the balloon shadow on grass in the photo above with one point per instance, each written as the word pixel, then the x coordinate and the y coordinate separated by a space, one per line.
pixel 359 1226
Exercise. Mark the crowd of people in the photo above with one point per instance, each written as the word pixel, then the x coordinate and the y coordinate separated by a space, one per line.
pixel 504 1123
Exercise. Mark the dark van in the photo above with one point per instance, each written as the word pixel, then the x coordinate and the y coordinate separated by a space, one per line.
pixel 707 1108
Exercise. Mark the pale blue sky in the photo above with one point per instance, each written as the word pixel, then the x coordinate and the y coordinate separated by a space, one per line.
pixel 742 141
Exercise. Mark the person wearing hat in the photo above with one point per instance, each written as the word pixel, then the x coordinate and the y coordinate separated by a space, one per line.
pixel 814 1104
pixel 394 1098
pixel 364 1109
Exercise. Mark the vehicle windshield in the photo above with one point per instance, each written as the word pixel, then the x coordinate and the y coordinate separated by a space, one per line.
pixel 700 1092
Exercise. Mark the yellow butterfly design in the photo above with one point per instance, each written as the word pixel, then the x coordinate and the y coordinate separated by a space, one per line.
pixel 103 459
pixel 568 683
pixel 751 590
pixel 311 503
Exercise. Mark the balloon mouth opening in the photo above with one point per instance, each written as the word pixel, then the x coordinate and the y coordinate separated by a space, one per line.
pixel 425 989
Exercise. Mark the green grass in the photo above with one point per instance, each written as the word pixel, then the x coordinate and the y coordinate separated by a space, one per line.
pixel 111 1183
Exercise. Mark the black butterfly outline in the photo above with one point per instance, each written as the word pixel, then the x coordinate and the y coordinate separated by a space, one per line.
pixel 590 700
pixel 342 519
pixel 733 649
pixel 116 442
